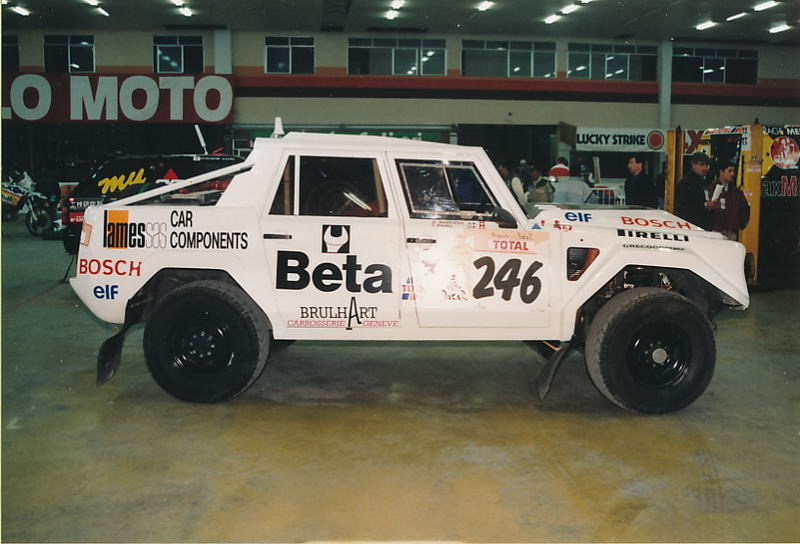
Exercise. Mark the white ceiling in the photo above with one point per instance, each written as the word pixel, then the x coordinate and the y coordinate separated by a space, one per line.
pixel 601 19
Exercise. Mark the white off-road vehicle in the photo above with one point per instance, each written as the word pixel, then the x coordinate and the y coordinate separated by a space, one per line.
pixel 329 237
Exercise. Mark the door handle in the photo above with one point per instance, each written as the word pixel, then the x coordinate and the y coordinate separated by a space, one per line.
pixel 421 240
pixel 274 236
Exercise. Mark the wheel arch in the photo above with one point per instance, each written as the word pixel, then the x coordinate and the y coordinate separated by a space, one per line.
pixel 166 280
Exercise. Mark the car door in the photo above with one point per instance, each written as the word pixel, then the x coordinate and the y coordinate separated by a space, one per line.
pixel 331 237
pixel 467 269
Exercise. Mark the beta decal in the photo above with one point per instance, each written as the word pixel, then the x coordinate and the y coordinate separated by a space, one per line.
pixel 336 238
pixel 292 274
pixel 653 235
pixel 109 267
pixel 340 317
pixel 107 292
pixel 507 280
pixel 658 223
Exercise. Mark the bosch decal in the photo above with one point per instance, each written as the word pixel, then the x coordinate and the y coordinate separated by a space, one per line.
pixel 335 238
pixel 109 267
pixel 106 292
pixel 657 223
pixel 653 235
pixel 292 273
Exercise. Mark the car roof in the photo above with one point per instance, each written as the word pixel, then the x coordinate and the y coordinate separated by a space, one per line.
pixel 354 142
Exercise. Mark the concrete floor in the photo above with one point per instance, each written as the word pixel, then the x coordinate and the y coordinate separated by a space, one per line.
pixel 403 441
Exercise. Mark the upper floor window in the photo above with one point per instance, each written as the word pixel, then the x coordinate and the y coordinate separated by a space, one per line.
pixel 288 55
pixel 607 61
pixel 68 54
pixel 10 53
pixel 707 65
pixel 400 57
pixel 331 186
pixel 178 54
pixel 492 58
pixel 436 189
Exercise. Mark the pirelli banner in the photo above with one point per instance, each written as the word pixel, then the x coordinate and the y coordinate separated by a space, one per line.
pixel 620 139
pixel 64 98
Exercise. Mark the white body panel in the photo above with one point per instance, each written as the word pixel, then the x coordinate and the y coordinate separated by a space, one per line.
pixel 394 276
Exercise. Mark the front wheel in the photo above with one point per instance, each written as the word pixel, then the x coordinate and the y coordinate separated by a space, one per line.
pixel 38 221
pixel 206 341
pixel 649 350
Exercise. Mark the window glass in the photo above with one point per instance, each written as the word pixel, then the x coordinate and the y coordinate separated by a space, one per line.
pixel 10 54
pixel 687 69
pixel 278 60
pixel 405 62
pixel 435 189
pixel 713 70
pixel 544 64
pixel 302 60
pixel 283 204
pixel 579 65
pixel 178 54
pixel 617 67
pixel 66 54
pixel 169 58
pixel 741 70
pixel 433 62
pixel 520 64
pixel 487 63
pixel 341 186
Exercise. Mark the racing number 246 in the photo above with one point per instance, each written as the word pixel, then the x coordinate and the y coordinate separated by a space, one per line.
pixel 507 279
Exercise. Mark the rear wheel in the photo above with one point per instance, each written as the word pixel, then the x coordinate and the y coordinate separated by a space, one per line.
pixel 206 341
pixel 650 350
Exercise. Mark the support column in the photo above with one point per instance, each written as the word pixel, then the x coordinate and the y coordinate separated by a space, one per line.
pixel 665 84
pixel 223 57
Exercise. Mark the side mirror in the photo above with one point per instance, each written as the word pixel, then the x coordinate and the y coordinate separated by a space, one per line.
pixel 503 218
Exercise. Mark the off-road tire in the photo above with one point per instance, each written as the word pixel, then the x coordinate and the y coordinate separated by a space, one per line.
pixel 650 350
pixel 206 341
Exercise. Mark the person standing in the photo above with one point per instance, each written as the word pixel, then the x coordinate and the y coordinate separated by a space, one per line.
pixel 730 210
pixel 560 169
pixel 514 183
pixel 541 189
pixel 690 200
pixel 639 188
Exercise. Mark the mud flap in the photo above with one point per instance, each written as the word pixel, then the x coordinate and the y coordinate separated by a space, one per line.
pixel 548 372
pixel 110 354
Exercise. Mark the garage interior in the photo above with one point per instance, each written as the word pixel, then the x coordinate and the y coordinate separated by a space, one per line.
pixel 396 441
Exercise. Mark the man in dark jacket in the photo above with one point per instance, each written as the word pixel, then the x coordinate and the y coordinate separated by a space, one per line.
pixel 639 188
pixel 690 199
pixel 730 210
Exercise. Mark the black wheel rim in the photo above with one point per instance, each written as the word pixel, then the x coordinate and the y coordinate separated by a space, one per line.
pixel 659 355
pixel 201 345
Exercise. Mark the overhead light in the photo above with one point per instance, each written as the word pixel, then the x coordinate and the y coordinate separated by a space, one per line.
pixel 779 28
pixel 392 14
pixel 552 19
pixel 585 1
pixel 178 3
pixel 569 9
pixel 619 71
pixel 737 16
pixel 610 57
pixel 73 65
pixel 580 68
pixel 516 68
pixel 708 71
pixel 397 4
pixel 92 2
pixel 101 11
pixel 186 12
pixel 707 24
pixel 765 5
pixel 20 10
pixel 483 6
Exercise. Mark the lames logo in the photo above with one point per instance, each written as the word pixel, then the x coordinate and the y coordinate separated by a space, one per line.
pixel 335 238
pixel 120 233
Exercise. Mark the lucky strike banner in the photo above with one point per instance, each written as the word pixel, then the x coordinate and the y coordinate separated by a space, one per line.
pixel 781 155
pixel 64 98
pixel 620 139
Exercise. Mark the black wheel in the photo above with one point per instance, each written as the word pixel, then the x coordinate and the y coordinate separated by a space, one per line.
pixel 206 341
pixel 649 350
pixel 38 221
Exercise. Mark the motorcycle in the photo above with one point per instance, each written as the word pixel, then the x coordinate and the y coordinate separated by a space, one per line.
pixel 20 197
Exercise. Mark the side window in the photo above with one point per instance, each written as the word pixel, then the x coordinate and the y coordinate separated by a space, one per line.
pixel 332 186
pixel 284 198
pixel 436 189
